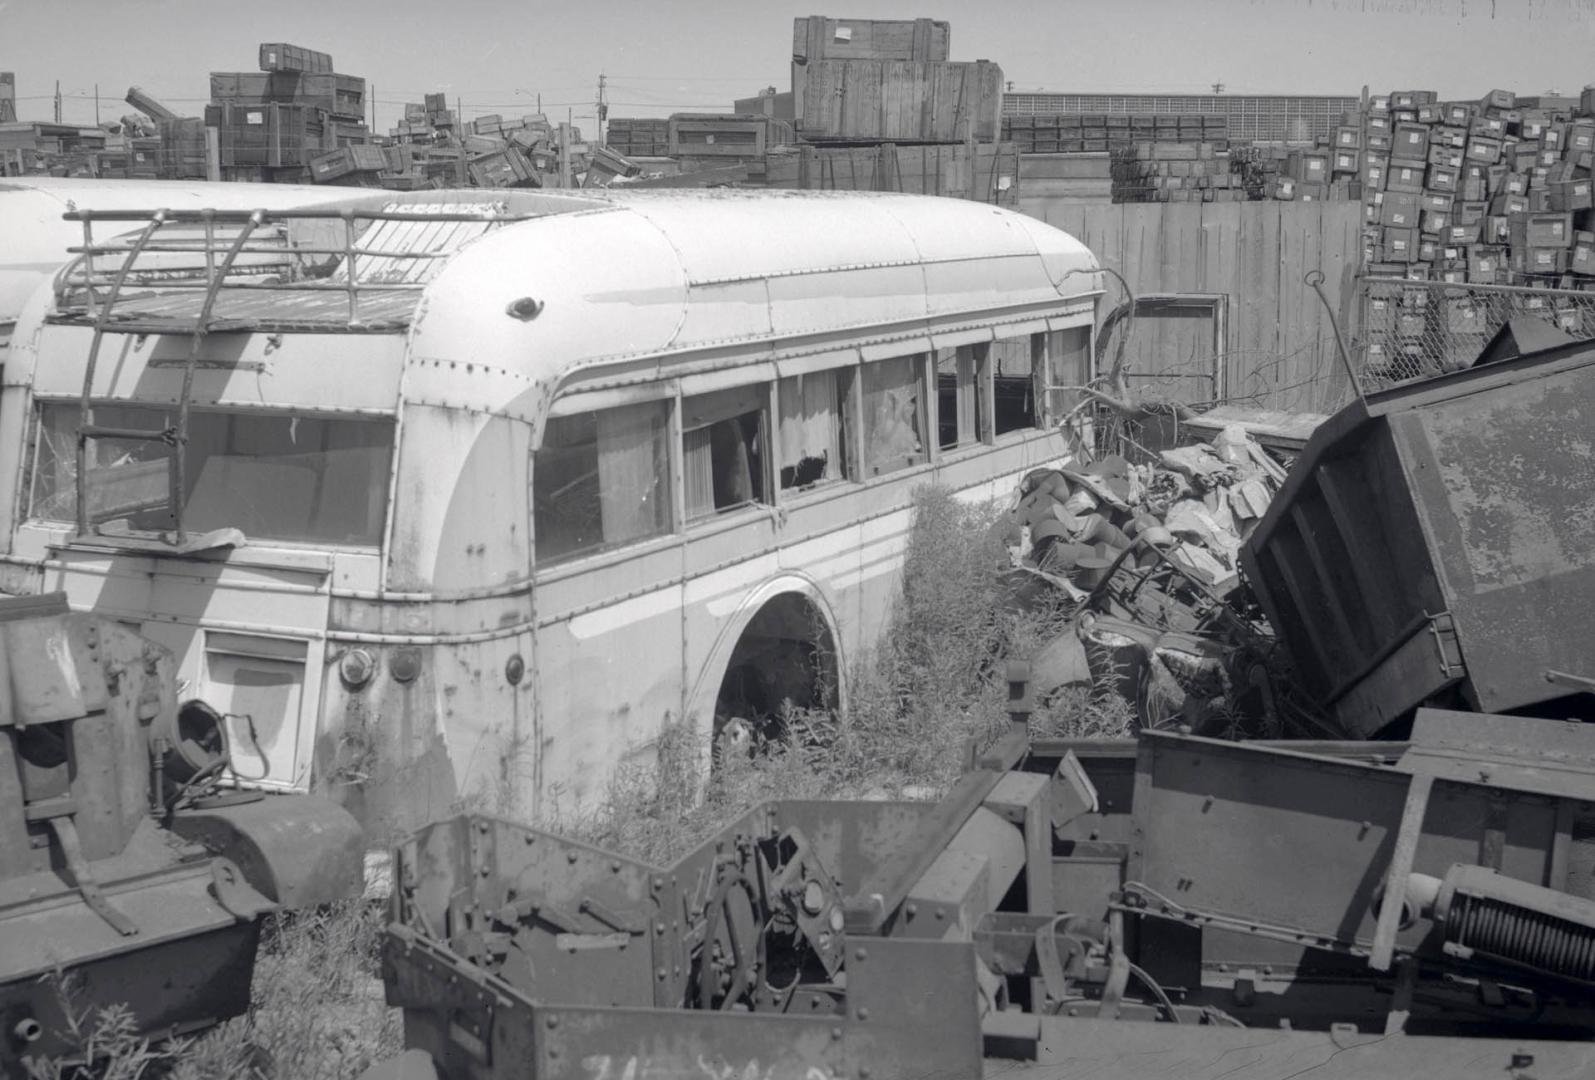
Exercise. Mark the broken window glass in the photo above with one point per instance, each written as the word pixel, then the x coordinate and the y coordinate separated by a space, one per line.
pixel 1069 361
pixel 273 476
pixel 812 433
pixel 723 439
pixel 1014 363
pixel 600 479
pixel 892 415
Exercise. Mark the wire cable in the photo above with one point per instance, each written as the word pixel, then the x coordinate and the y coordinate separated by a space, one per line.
pixel 1157 991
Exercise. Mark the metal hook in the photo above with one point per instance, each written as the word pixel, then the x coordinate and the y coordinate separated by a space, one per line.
pixel 1315 279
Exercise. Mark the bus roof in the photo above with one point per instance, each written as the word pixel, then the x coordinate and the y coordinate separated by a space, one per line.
pixel 534 293
pixel 632 278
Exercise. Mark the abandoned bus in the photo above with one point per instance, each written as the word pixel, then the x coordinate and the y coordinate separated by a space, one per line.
pixel 468 496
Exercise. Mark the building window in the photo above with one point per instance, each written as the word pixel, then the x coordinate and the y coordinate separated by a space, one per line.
pixel 1014 363
pixel 295 478
pixel 812 436
pixel 600 479
pixel 961 395
pixel 893 415
pixel 723 449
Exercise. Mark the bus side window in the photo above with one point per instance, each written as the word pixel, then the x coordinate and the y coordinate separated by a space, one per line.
pixel 813 434
pixel 601 479
pixel 1014 363
pixel 1069 364
pixel 723 449
pixel 894 409
pixel 961 396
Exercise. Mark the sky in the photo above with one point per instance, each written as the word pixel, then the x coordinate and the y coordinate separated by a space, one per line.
pixel 660 56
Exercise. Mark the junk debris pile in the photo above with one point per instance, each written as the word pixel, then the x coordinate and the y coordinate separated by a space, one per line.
pixel 1149 556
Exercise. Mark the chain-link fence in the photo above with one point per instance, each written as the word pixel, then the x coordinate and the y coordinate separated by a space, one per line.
pixel 1416 329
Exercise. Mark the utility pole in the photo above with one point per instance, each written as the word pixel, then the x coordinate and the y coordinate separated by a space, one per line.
pixel 603 109
pixel 1218 88
pixel 58 101
pixel 96 104
pixel 459 137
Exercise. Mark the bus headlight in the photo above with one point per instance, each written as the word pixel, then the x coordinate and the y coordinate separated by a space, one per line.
pixel 356 668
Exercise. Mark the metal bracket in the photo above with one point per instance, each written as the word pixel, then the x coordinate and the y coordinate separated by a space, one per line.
pixel 66 834
pixel 1412 815
pixel 1443 629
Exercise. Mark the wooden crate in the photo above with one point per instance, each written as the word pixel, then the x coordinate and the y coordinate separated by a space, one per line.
pixel 349 159
pixel 819 38
pixel 902 100
pixel 719 136
pixel 991 175
pixel 282 57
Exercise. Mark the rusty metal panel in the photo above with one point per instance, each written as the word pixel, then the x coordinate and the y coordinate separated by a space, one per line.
pixel 1439 533
pixel 911 1017
pixel 299 853
pixel 1503 479
pixel 174 985
pixel 1073 1049
pixel 614 1044
pixel 1301 843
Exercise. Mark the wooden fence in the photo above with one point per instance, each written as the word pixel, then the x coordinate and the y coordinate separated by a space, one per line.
pixel 1279 345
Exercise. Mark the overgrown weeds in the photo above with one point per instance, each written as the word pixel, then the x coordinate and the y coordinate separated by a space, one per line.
pixel 317 1007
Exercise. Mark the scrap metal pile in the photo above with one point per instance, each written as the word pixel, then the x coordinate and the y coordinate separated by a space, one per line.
pixel 1151 554
pixel 126 878
pixel 1179 906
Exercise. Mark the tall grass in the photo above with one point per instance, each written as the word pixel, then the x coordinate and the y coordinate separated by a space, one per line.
pixel 935 682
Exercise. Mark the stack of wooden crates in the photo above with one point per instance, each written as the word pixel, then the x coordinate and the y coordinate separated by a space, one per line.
pixel 1174 172
pixel 871 80
pixel 1296 173
pixel 271 123
pixel 638 136
pixel 1096 133
pixel 1490 192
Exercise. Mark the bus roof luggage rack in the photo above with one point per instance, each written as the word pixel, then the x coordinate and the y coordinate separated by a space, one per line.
pixel 254 260
pixel 296 270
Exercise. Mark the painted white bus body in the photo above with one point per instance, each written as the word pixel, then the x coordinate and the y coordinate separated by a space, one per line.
pixel 497 676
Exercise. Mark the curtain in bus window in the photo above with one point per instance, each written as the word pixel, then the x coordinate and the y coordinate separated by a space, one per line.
pixel 599 479
pixel 698 469
pixel 809 423
pixel 721 449
pixel 891 415
pixel 631 472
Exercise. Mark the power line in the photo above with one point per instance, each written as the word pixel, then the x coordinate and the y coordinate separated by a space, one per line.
pixel 696 78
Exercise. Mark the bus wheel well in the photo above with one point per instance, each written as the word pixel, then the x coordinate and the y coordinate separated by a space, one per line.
pixel 785 658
